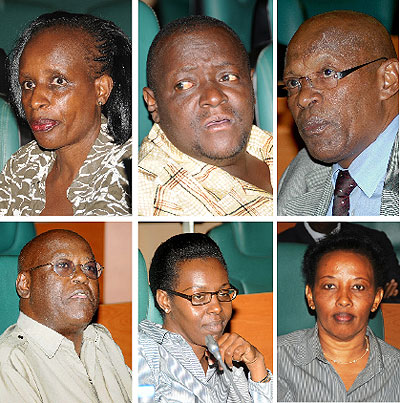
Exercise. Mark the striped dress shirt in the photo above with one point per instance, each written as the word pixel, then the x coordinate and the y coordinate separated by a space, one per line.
pixel 304 374
pixel 168 362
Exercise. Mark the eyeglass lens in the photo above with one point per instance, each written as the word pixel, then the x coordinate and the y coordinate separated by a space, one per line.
pixel 205 297
pixel 65 268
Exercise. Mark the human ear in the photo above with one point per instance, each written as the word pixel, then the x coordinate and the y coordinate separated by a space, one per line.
pixel 151 102
pixel 309 297
pixel 23 284
pixel 390 84
pixel 104 85
pixel 377 299
pixel 163 300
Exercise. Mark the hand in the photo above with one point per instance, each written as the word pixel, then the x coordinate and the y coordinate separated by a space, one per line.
pixel 391 289
pixel 235 348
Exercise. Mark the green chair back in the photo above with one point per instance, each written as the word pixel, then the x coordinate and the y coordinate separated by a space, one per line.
pixel 238 14
pixel 9 133
pixel 72 6
pixel 292 308
pixel 9 301
pixel 143 288
pixel 247 249
pixel 14 236
pixel 147 308
pixel 117 11
pixel 170 10
pixel 392 231
pixel 148 28
pixel 14 16
pixel 290 17
pixel 264 95
pixel 383 10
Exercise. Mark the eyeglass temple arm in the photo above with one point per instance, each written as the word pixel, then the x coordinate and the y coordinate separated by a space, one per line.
pixel 345 73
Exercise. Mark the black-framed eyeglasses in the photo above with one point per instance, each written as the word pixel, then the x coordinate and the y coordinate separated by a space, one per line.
pixel 66 268
pixel 321 80
pixel 203 298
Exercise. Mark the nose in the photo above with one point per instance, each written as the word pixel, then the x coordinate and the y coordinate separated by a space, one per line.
pixel 212 95
pixel 39 98
pixel 343 298
pixel 214 306
pixel 79 276
pixel 307 96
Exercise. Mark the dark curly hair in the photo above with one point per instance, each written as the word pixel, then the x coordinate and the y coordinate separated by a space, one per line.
pixel 115 59
pixel 186 25
pixel 165 265
pixel 344 241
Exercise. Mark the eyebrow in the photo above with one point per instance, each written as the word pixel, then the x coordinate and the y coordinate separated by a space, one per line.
pixel 322 59
pixel 354 279
pixel 200 287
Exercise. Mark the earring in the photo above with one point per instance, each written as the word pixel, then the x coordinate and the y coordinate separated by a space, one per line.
pixel 100 103
pixel 166 310
pixel 312 307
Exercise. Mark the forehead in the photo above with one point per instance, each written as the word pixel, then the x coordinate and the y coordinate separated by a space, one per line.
pixel 200 48
pixel 207 273
pixel 61 46
pixel 343 263
pixel 319 45
pixel 57 246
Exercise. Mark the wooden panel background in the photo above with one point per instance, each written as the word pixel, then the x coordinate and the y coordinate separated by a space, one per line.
pixel 117 318
pixel 391 318
pixel 253 320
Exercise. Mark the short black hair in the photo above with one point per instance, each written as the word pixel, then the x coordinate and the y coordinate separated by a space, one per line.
pixel 345 241
pixel 186 25
pixel 115 60
pixel 165 265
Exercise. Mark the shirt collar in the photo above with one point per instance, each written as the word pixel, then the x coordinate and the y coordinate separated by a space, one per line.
pixel 226 181
pixel 317 236
pixel 369 168
pixel 48 339
pixel 311 349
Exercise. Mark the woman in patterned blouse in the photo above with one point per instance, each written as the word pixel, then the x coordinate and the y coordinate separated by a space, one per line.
pixel 70 79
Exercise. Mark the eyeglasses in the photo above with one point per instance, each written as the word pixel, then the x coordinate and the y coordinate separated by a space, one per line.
pixel 203 298
pixel 322 80
pixel 66 268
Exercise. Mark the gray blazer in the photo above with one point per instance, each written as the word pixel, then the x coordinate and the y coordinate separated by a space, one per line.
pixel 306 187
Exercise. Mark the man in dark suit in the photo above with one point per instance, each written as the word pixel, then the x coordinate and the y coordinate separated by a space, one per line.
pixel 341 76
pixel 311 232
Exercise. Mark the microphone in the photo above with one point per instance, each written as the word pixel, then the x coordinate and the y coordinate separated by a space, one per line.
pixel 213 348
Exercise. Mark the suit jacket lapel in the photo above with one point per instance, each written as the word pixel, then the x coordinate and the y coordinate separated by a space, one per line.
pixel 390 193
pixel 316 199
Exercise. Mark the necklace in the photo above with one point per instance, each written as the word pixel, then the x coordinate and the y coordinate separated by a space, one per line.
pixel 357 359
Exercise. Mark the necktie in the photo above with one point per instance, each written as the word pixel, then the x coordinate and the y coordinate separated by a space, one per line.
pixel 341 199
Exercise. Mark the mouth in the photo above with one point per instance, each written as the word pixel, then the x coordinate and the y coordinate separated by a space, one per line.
pixel 215 327
pixel 343 317
pixel 81 295
pixel 43 125
pixel 314 126
pixel 217 123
